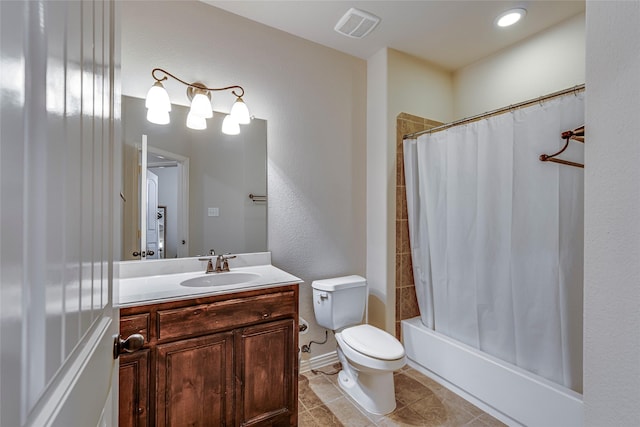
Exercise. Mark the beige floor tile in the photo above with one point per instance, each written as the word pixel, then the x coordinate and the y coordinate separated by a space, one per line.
pixel 432 410
pixel 420 402
pixel 306 420
pixel 315 390
pixel 402 417
pixel 457 417
pixel 458 402
pixel 486 420
pixel 408 390
pixel 463 410
pixel 423 379
pixel 306 397
pixel 348 413
pixel 324 417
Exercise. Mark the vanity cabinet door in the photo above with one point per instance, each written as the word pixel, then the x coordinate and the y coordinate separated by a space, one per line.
pixel 266 374
pixel 194 382
pixel 134 389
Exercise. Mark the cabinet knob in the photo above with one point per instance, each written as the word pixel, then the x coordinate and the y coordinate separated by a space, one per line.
pixel 133 343
pixel 265 315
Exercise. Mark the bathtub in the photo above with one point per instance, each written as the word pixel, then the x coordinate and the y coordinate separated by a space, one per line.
pixel 511 394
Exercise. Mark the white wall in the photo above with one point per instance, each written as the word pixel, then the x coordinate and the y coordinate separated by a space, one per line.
pixel 313 99
pixel 550 61
pixel 419 88
pixel 397 83
pixel 379 242
pixel 612 215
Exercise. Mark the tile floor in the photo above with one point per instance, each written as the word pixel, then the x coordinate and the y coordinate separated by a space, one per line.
pixel 420 402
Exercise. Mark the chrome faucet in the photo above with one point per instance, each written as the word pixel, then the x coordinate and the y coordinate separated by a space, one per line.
pixel 209 260
pixel 222 263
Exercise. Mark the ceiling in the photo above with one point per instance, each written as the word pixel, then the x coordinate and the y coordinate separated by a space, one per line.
pixel 450 34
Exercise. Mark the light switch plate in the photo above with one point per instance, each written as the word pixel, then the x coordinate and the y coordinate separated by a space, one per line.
pixel 213 212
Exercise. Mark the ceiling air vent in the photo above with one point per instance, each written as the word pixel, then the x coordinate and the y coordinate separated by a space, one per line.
pixel 356 23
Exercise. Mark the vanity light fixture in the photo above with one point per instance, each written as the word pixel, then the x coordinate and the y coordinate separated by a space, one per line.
pixel 510 17
pixel 158 104
pixel 230 126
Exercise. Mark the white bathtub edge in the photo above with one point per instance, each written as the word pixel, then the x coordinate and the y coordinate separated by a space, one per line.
pixel 501 390
pixel 466 396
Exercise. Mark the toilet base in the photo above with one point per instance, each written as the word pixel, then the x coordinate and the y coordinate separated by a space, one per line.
pixel 373 391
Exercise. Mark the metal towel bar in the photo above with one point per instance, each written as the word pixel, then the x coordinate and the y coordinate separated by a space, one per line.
pixel 255 198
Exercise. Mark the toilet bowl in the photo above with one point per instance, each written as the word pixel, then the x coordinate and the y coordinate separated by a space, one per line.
pixel 367 369
pixel 368 355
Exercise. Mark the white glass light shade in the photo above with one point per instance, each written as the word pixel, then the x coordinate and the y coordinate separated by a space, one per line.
pixel 201 106
pixel 240 112
pixel 158 116
pixel 158 98
pixel 230 126
pixel 196 122
pixel 510 17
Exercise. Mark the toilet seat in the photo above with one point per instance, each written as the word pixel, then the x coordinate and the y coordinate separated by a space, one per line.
pixel 373 342
pixel 362 362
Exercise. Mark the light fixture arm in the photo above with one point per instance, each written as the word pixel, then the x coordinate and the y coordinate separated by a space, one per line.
pixel 193 85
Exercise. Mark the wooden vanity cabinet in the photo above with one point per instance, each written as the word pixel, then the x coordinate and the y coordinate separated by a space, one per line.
pixel 134 374
pixel 266 386
pixel 223 360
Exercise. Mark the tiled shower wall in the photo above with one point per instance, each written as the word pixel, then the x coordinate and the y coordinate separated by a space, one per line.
pixel 406 302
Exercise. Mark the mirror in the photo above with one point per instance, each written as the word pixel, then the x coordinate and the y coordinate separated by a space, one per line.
pixel 199 184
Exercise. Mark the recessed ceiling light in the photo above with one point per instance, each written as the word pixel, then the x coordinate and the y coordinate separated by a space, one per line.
pixel 510 17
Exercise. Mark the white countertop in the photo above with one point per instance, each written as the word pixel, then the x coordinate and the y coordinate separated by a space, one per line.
pixel 155 281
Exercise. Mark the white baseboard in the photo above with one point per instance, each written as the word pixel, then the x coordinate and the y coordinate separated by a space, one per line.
pixel 317 362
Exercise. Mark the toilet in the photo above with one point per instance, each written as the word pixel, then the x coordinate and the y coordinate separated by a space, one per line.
pixel 368 355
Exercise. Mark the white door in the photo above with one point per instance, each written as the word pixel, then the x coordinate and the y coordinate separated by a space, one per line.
pixel 152 216
pixel 59 172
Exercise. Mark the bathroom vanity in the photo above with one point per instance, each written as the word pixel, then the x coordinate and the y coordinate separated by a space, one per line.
pixel 211 357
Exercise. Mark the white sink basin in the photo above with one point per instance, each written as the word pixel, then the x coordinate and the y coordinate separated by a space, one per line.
pixel 220 279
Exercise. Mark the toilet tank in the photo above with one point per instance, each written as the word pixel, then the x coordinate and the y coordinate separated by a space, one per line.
pixel 339 302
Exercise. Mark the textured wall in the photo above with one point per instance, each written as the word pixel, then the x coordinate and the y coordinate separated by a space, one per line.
pixel 549 61
pixel 612 216
pixel 313 99
pixel 396 83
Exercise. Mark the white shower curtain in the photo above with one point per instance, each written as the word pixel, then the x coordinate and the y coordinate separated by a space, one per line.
pixel 497 236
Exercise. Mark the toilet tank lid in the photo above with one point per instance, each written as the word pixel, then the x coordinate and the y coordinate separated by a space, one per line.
pixel 336 283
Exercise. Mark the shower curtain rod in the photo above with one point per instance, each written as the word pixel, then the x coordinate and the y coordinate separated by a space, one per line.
pixel 574 90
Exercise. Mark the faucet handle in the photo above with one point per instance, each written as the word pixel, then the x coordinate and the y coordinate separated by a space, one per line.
pixel 209 264
pixel 225 261
pixel 212 253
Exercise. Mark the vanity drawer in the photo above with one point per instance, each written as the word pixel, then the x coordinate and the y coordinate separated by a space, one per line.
pixel 135 324
pixel 206 318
